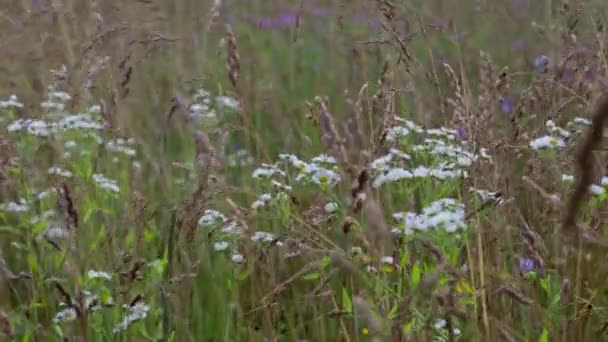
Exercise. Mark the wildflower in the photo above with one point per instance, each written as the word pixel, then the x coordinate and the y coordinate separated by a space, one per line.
pixel 262 236
pixel 211 217
pixel 393 175
pixel 238 258
pixel 547 142
pixel 34 127
pixel 396 132
pixel 59 172
pixel 228 102
pixel 92 274
pixel 220 245
pixel 261 201
pixel 411 126
pixel 120 146
pixel 265 172
pixel 488 196
pixel 293 160
pixel 568 178
pixel 106 183
pixel 387 260
pixel 326 177
pixel 553 128
pixel 240 157
pixel 136 312
pixel 57 233
pixel 94 109
pixel 49 106
pixel 65 315
pixel 442 133
pixel 231 227
pixel 324 159
pixel 282 186
pixel 11 102
pixel 59 96
pixel 582 121
pixel 541 63
pixel 15 207
pixel 78 121
pixel 382 163
pixel 440 324
pixel 331 207
pixel 444 213
pixel 526 264
pixel 597 190
pixel 399 153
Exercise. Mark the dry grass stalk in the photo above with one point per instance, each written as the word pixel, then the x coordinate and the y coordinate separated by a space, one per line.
pixel 330 136
pixel 584 158
pixel 6 330
pixel 233 64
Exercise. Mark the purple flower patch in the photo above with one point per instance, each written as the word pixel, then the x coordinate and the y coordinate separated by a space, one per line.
pixel 526 265
pixel 541 63
pixel 507 105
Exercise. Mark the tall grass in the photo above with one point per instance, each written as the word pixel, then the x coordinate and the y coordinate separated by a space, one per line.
pixel 304 170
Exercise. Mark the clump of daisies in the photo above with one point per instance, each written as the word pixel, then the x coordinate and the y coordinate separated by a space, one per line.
pixel 555 140
pixel 446 214
pixel 12 102
pixel 419 153
pixel 321 170
pixel 15 207
pixel 106 183
pixel 123 146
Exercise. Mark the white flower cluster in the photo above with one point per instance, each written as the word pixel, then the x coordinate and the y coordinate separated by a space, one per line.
pixel 488 196
pixel 446 214
pixel 92 274
pixel 55 170
pixel 106 183
pixel 68 313
pixel 261 201
pixel 122 146
pixel 12 102
pixel 396 174
pixel 397 132
pixel 260 236
pixel 441 324
pixel 446 157
pixel 227 102
pixel 43 128
pixel 320 170
pixel 15 207
pixel 135 313
pixel 240 158
pixel 599 190
pixel 210 218
pixel 553 141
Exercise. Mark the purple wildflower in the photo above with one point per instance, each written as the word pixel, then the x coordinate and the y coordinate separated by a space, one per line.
pixel 287 19
pixel 526 265
pixel 541 63
pixel 462 132
pixel 507 105
pixel 519 46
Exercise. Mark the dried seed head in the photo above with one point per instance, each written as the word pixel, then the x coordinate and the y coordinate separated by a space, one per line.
pixel 233 64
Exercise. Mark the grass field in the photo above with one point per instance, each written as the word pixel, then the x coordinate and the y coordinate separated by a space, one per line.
pixel 303 170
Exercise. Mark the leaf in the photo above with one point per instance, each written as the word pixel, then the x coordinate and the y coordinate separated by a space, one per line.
pixel 544 337
pixel 347 305
pixel 312 276
pixel 415 276
pixel 463 286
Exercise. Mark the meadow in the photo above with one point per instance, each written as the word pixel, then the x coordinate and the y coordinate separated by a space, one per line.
pixel 303 170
